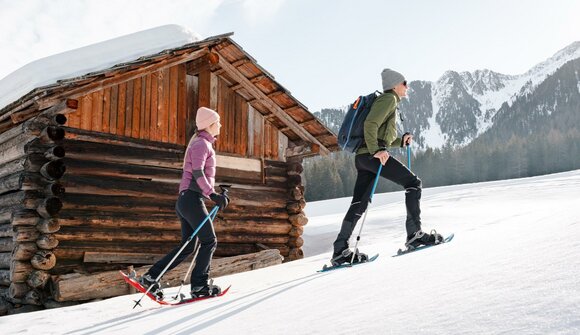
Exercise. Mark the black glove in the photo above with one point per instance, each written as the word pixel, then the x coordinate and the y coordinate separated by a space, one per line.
pixel 221 200
pixel 403 137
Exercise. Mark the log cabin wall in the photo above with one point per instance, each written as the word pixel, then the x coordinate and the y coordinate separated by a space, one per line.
pixel 124 150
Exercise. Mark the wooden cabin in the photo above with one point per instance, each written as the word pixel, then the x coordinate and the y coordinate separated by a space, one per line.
pixel 90 166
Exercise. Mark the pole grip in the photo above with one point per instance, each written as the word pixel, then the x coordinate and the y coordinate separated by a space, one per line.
pixel 408 156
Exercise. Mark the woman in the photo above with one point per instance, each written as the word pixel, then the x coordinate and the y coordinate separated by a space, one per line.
pixel 197 182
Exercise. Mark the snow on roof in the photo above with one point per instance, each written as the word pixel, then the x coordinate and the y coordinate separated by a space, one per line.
pixel 95 57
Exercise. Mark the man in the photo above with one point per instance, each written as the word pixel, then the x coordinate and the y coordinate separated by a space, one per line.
pixel 380 133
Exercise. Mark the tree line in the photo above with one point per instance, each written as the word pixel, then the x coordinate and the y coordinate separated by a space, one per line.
pixel 486 159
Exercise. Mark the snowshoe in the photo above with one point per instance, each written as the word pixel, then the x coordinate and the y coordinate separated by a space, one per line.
pixel 146 281
pixel 207 290
pixel 346 257
pixel 420 238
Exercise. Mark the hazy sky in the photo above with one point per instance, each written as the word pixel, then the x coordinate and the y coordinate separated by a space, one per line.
pixel 325 52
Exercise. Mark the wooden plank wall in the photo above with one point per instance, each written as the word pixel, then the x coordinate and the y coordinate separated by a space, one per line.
pixel 233 111
pixel 152 107
pixel 161 107
pixel 245 132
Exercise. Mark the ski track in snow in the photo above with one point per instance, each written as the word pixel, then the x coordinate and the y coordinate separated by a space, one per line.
pixel 512 268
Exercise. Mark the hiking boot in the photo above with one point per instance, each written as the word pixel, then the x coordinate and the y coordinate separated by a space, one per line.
pixel 421 238
pixel 146 281
pixel 346 257
pixel 205 290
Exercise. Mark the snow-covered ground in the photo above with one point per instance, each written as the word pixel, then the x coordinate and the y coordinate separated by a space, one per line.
pixel 512 268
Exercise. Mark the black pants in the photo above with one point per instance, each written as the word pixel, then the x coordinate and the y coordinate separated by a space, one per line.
pixel 367 167
pixel 191 211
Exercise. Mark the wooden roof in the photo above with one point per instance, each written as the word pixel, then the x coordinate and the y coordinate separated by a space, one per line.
pixel 233 65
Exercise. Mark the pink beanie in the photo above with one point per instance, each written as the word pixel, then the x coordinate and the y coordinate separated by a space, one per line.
pixel 205 117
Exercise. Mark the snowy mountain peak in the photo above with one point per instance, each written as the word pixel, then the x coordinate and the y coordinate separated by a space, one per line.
pixel 549 66
pixel 448 76
pixel 480 82
pixel 463 104
pixel 569 52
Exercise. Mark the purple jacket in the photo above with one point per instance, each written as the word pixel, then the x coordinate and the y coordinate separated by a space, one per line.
pixel 200 165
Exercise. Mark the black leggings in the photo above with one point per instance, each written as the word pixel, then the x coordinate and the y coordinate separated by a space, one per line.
pixel 367 167
pixel 191 211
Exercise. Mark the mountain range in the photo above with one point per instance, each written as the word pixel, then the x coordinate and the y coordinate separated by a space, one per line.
pixel 462 106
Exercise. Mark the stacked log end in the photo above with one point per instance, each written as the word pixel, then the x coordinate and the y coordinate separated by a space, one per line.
pixel 295 208
pixel 30 168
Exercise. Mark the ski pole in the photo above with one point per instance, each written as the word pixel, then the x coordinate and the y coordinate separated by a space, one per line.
pixel 208 217
pixel 191 265
pixel 409 156
pixel 366 211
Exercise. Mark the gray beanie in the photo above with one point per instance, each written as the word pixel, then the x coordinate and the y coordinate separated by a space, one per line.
pixel 391 78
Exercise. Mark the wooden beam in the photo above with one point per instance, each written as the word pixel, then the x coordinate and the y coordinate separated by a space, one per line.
pixel 293 108
pixel 204 89
pixel 275 94
pixel 240 62
pixel 193 68
pixel 219 72
pixel 213 92
pixel 309 122
pixel 213 58
pixel 257 78
pixel 239 163
pixel 270 117
pixel 236 87
pixel 5 125
pixel 262 246
pixel 21 106
pixel 72 103
pixel 277 110
pixel 203 63
pixel 64 107
pixel 28 108
pixel 23 115
pixel 303 150
pixel 121 258
pixel 77 286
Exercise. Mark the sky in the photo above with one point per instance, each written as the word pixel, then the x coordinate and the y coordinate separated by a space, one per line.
pixel 325 52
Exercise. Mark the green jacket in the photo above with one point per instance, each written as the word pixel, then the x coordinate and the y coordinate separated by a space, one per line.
pixel 381 124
